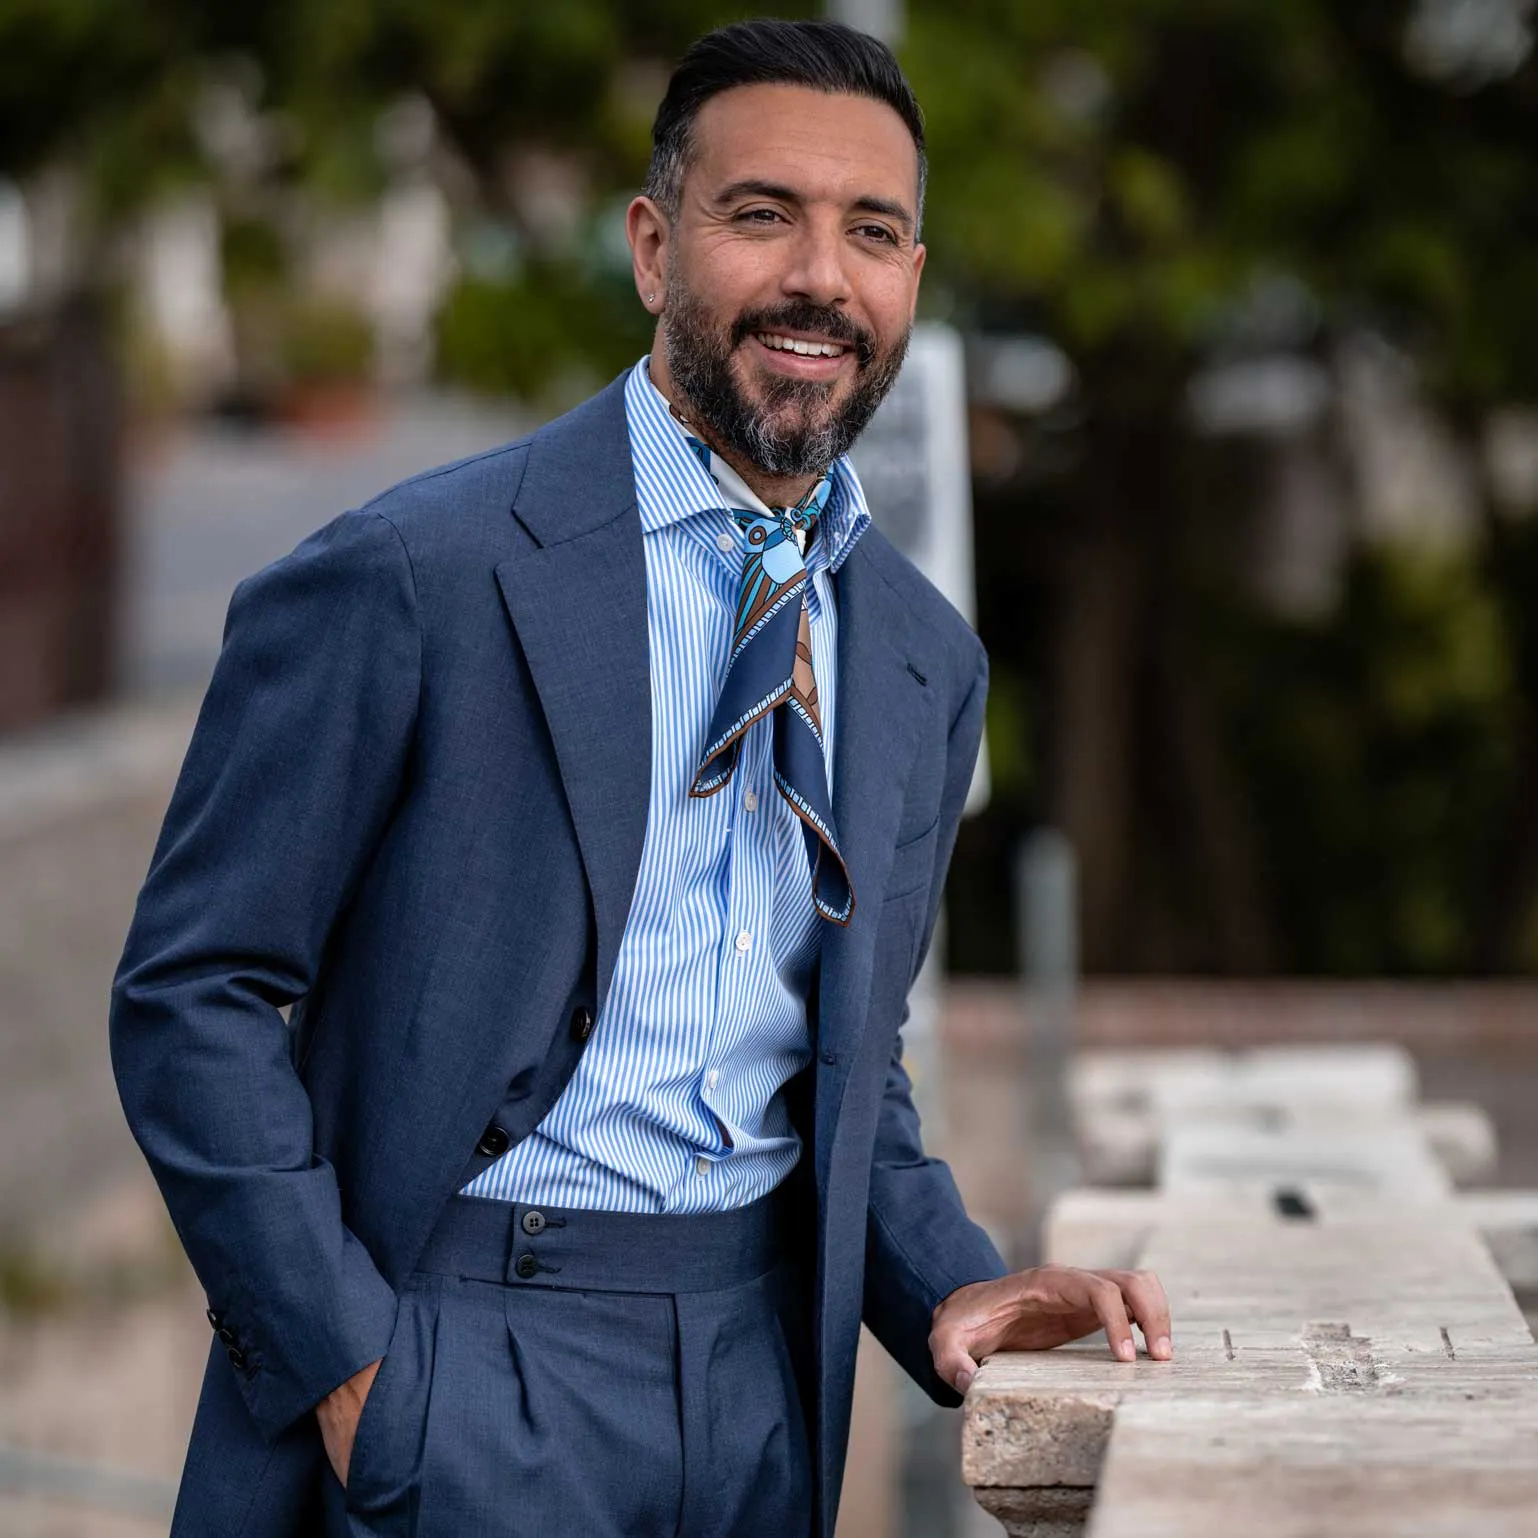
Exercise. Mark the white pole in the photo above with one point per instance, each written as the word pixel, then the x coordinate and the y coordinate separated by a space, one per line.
pixel 1047 895
pixel 881 18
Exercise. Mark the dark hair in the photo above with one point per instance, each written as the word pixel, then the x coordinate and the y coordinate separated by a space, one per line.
pixel 825 55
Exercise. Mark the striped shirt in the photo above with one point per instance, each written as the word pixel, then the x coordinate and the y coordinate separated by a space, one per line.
pixel 676 1104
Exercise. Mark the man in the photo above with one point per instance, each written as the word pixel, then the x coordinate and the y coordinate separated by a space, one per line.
pixel 590 803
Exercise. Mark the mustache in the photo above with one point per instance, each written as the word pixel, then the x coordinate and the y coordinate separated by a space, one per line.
pixel 805 316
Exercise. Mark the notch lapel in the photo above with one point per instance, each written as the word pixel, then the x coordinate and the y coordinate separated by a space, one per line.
pixel 576 594
pixel 876 736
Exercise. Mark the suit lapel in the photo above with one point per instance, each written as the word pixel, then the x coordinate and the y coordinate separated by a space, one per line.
pixel 876 735
pixel 576 593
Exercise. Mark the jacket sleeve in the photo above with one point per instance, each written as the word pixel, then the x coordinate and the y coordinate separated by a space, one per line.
pixel 298 757
pixel 920 1245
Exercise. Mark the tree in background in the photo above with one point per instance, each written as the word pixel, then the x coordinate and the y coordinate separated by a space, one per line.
pixel 1350 791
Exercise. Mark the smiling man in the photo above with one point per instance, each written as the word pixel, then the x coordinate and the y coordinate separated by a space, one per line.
pixel 589 804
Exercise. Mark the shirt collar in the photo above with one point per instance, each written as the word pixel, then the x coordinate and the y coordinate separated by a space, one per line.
pixel 672 485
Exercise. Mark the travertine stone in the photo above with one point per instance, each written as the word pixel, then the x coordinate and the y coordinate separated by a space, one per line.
pixel 1123 1103
pixel 1349 1356
pixel 1409 1311
pixel 1371 1468
pixel 1363 1077
pixel 1120 1147
pixel 1014 1436
pixel 1109 1229
pixel 1509 1222
pixel 1384 1157
pixel 1058 1513
pixel 1462 1136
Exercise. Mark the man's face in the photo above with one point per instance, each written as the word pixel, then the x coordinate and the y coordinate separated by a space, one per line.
pixel 791 272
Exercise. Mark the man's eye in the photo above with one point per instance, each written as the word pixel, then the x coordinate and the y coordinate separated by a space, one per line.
pixel 878 232
pixel 759 215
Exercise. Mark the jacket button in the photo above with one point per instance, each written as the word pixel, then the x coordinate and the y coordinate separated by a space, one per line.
pixel 227 1335
pixel 237 1358
pixel 534 1222
pixel 215 1316
pixel 581 1022
pixel 494 1142
pixel 526 1265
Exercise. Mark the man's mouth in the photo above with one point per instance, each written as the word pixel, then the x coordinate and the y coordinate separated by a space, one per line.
pixel 804 346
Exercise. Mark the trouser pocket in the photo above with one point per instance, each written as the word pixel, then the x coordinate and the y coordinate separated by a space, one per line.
pixel 385 1472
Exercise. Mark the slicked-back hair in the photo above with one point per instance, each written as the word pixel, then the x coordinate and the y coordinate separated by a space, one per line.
pixel 822 55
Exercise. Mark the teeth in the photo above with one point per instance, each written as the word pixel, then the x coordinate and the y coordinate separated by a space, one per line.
pixel 795 345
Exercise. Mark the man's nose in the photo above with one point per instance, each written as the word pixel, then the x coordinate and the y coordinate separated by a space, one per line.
pixel 817 271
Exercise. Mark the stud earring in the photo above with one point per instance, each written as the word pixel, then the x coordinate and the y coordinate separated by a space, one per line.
pixel 651 298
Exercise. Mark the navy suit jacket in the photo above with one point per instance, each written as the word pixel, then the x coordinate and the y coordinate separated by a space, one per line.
pixel 413 811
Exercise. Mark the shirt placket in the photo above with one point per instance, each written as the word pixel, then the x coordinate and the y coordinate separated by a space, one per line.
pixel 717 538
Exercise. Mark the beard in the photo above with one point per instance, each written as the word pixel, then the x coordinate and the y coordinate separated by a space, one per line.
pixel 793 428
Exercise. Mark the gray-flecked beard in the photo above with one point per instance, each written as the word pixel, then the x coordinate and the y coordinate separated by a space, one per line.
pixel 793 430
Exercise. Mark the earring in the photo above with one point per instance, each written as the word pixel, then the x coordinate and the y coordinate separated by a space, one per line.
pixel 651 298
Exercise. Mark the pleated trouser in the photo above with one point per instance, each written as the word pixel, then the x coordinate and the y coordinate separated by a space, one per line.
pixel 560 1372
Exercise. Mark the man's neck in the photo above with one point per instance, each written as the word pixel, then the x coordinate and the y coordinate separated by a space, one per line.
pixel 772 490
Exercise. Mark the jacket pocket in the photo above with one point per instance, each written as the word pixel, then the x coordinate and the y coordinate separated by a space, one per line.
pixel 913 864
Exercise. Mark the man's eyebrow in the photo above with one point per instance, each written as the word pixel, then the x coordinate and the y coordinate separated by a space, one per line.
pixel 887 209
pixel 757 189
pixel 752 188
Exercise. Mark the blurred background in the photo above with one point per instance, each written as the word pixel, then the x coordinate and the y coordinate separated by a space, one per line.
pixel 1245 297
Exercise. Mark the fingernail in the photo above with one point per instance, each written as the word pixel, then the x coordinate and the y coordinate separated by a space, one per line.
pixel 1162 1346
pixel 1126 1350
pixel 963 1382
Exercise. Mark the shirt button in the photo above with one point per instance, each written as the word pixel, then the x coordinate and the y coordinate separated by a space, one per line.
pixel 712 1079
pixel 726 542
pixel 701 1165
pixel 744 942
pixel 750 800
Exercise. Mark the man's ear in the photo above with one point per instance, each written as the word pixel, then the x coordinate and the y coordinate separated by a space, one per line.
pixel 648 231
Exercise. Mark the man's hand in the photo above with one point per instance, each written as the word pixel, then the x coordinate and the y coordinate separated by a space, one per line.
pixel 1045 1307
pixel 338 1415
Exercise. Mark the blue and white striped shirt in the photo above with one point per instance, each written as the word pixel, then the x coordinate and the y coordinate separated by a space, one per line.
pixel 676 1104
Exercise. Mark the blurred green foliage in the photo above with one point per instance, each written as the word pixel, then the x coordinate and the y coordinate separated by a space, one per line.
pixel 324 342
pixel 1126 169
pixel 1137 180
pixel 1375 749
pixel 1140 181
pixel 534 332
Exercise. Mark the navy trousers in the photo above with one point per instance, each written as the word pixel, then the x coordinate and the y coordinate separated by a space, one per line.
pixel 590 1374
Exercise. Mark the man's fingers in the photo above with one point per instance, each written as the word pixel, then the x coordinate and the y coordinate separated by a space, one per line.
pixel 1045 1307
pixel 1144 1294
pixel 338 1415
pixel 953 1362
pixel 1111 1310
